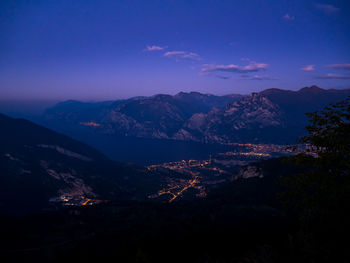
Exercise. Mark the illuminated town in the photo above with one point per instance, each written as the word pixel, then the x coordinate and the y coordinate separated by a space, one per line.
pixel 188 179
pixel 202 175
pixel 75 200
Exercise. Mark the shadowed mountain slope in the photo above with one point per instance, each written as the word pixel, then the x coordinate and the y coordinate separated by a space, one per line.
pixel 38 164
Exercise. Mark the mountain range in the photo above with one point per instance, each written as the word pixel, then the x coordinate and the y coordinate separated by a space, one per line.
pixel 270 116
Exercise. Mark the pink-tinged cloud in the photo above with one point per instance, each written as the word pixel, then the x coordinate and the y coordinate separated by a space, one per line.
pixel 227 68
pixel 182 55
pixel 154 48
pixel 333 76
pixel 251 67
pixel 340 66
pixel 308 68
pixel 327 9
pixel 288 17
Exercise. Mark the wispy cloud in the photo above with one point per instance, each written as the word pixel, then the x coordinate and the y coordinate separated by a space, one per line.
pixel 327 9
pixel 288 17
pixel 308 68
pixel 183 55
pixel 333 76
pixel 251 67
pixel 340 66
pixel 154 48
pixel 262 77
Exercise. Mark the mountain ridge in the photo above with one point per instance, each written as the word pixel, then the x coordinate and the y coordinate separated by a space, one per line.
pixel 163 116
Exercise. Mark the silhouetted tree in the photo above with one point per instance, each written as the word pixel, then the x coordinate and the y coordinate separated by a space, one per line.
pixel 321 195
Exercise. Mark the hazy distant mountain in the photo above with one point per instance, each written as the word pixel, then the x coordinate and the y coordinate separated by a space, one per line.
pixel 273 115
pixel 159 116
pixel 37 164
pixel 73 111
pixel 294 104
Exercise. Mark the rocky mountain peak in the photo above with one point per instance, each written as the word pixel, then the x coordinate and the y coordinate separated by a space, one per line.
pixel 313 88
pixel 254 100
pixel 255 109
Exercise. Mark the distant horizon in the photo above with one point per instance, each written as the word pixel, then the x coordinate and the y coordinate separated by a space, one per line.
pixel 33 100
pixel 35 107
pixel 92 100
pixel 8 97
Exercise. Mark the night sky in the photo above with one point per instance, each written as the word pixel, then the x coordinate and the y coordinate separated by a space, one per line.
pixel 97 50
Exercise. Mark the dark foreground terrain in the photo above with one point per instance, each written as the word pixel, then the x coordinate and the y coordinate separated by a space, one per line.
pixel 243 221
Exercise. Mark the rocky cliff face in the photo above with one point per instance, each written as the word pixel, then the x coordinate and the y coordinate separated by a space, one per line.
pixel 252 112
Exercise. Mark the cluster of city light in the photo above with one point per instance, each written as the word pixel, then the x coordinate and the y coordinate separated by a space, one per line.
pixel 76 200
pixel 218 166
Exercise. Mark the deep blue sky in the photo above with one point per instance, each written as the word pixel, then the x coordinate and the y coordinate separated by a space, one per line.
pixel 94 50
